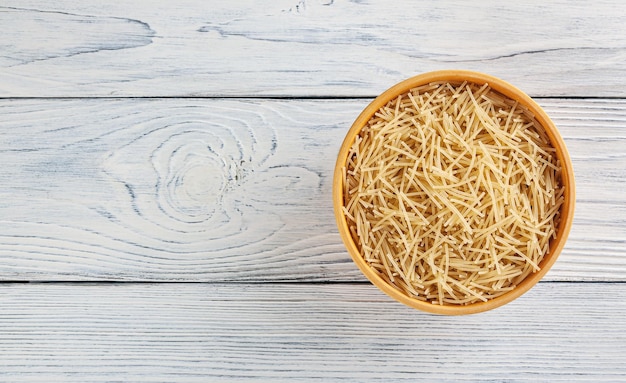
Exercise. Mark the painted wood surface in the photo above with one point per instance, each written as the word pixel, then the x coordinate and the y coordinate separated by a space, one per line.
pixel 558 332
pixel 218 190
pixel 304 48
pixel 194 141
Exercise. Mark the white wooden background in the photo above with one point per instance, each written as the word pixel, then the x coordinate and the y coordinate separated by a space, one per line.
pixel 165 202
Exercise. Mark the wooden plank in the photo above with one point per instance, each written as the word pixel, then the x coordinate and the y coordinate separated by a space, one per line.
pixel 304 48
pixel 218 190
pixel 303 332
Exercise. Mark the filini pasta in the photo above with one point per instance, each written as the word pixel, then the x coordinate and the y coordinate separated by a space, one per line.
pixel 452 193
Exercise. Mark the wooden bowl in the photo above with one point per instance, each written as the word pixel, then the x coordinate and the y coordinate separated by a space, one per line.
pixel 567 178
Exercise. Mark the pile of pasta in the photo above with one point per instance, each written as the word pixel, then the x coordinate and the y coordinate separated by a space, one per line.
pixel 453 193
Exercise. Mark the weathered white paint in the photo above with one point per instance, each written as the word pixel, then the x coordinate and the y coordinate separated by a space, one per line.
pixel 304 48
pixel 237 192
pixel 568 332
pixel 218 190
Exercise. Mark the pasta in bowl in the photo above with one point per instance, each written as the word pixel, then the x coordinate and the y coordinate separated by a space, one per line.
pixel 453 192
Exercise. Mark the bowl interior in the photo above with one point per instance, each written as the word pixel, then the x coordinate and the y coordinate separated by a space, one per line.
pixel 567 177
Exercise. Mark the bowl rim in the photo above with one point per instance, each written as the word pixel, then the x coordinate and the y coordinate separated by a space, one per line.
pixel 567 177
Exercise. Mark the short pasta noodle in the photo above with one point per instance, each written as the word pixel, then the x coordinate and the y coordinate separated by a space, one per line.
pixel 452 193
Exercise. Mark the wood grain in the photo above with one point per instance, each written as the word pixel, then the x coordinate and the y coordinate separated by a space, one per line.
pixel 303 332
pixel 304 48
pixel 234 190
pixel 194 141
